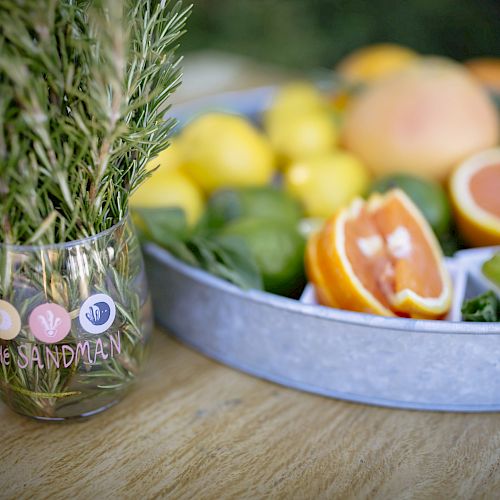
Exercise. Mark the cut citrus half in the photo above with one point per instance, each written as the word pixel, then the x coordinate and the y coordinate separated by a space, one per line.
pixel 380 256
pixel 475 194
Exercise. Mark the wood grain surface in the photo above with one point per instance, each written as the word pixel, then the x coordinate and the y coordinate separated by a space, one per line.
pixel 195 429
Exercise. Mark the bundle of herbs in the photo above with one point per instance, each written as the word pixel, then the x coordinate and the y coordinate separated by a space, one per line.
pixel 84 87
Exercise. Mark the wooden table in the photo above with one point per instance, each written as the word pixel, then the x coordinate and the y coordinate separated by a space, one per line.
pixel 193 428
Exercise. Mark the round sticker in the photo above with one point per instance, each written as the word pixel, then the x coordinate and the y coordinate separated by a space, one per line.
pixel 97 313
pixel 10 322
pixel 50 323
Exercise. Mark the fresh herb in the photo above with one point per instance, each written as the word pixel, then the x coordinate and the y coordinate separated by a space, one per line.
pixel 83 94
pixel 491 269
pixel 485 307
pixel 227 258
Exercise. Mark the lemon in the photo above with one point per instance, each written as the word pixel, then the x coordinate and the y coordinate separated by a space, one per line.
pixel 300 135
pixel 326 182
pixel 295 98
pixel 168 159
pixel 223 150
pixel 375 62
pixel 170 188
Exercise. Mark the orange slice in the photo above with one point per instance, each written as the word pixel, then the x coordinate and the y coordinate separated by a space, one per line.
pixel 475 194
pixel 381 257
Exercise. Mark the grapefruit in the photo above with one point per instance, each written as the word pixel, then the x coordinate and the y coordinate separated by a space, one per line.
pixel 430 197
pixel 475 195
pixel 380 256
pixel 421 121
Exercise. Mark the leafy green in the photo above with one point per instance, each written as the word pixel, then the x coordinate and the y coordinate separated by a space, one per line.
pixel 229 259
pixel 485 307
pixel 491 269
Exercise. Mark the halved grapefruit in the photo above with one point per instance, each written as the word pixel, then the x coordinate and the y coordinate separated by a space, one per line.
pixel 380 256
pixel 475 194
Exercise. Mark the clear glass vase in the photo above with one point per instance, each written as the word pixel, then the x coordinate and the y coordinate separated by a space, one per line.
pixel 75 321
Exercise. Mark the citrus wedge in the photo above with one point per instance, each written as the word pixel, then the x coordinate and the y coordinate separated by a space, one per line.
pixel 380 256
pixel 315 275
pixel 475 194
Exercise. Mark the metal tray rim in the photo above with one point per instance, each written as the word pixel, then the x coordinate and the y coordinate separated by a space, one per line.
pixel 337 315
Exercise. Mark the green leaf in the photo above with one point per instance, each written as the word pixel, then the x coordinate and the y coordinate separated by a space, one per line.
pixel 485 308
pixel 164 221
pixel 236 255
pixel 491 269
pixel 168 228
pixel 229 259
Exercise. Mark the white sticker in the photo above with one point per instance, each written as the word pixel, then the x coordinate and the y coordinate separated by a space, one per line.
pixel 97 313
pixel 10 322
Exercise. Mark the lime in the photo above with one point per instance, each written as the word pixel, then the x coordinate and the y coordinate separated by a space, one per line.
pixel 278 249
pixel 491 269
pixel 265 201
pixel 429 197
pixel 224 150
pixel 325 183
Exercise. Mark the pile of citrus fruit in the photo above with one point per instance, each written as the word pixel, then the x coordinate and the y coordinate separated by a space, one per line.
pixel 366 184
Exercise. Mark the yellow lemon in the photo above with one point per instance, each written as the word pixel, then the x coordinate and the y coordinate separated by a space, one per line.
pixel 223 150
pixel 168 159
pixel 295 98
pixel 327 182
pixel 300 135
pixel 170 188
pixel 374 62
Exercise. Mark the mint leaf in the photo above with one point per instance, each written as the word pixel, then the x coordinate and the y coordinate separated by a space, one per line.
pixel 229 259
pixel 483 308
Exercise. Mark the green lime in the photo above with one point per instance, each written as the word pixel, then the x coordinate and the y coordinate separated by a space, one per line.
pixel 429 197
pixel 491 269
pixel 261 202
pixel 278 249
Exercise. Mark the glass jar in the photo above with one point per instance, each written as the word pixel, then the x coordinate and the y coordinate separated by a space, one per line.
pixel 75 321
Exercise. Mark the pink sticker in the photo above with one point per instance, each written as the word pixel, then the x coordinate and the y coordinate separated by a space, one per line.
pixel 50 323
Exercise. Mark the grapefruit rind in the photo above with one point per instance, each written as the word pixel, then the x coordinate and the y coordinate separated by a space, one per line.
pixel 313 270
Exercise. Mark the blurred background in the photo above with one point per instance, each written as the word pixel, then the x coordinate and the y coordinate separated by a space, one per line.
pixel 311 33
pixel 320 121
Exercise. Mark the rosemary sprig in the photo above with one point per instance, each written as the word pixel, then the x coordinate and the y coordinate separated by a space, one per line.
pixel 84 86
pixel 83 93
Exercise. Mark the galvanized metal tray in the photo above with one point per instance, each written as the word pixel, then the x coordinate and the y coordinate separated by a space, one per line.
pixel 403 363
pixel 395 362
